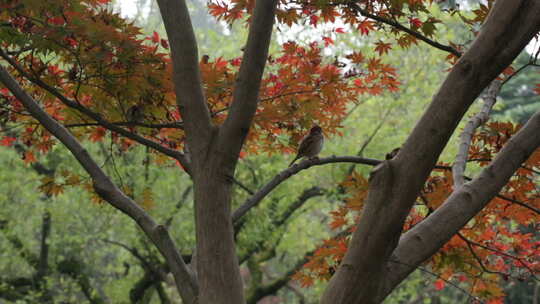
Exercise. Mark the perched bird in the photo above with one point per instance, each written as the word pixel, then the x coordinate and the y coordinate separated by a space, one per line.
pixel 135 114
pixel 392 154
pixel 311 145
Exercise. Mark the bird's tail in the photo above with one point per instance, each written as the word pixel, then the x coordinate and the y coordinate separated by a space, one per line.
pixel 295 158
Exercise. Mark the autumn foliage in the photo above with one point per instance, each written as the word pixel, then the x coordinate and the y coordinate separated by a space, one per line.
pixel 498 245
pixel 89 69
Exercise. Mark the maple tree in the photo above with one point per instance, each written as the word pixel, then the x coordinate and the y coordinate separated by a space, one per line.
pixel 76 65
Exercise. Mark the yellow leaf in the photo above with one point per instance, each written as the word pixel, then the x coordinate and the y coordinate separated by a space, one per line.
pixel 147 199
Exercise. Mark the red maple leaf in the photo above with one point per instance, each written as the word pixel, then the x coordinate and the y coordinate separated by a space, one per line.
pixel 165 43
pixel 328 41
pixel 382 48
pixel 155 37
pixel 415 22
pixel 439 284
pixel 537 89
pixel 7 141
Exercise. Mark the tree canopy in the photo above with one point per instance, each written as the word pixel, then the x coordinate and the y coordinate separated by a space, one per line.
pixel 75 74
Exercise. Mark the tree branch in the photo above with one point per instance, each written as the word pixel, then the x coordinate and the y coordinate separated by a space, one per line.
pixel 300 201
pixel 422 241
pixel 246 91
pixel 134 252
pixel 109 192
pixel 396 183
pixel 274 286
pixel 43 262
pixel 290 171
pixel 402 28
pixel 522 204
pixel 533 209
pixel 97 117
pixel 458 169
pixel 170 125
pixel 470 245
pixel 186 75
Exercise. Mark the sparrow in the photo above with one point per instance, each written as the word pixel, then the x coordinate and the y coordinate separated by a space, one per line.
pixel 392 154
pixel 135 114
pixel 311 145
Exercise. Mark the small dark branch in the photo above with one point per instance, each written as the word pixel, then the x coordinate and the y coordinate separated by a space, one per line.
pixel 163 297
pixel 15 289
pixel 141 286
pixel 405 29
pixel 37 166
pixel 530 169
pixel 273 287
pixel 30 258
pixel 419 299
pixel 144 263
pixel 291 286
pixel 42 170
pixel 424 270
pixel 374 133
pixel 43 265
pixel 498 252
pixel 169 125
pixel 304 197
pixel 244 187
pixel 269 99
pixel 477 258
pixel 290 171
pixel 371 136
pixel 21 149
pixel 514 201
pixel 75 269
pixel 523 67
pixel 533 209
pixel 84 282
pixel 179 204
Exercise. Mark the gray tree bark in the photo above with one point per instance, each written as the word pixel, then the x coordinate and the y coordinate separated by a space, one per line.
pixel 215 149
pixel 365 276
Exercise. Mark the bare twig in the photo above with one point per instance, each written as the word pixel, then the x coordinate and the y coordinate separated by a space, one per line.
pixel 405 29
pixel 276 222
pixel 424 270
pixel 498 252
pixel 536 210
pixel 169 125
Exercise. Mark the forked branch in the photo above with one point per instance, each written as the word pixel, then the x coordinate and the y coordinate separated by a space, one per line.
pixel 108 191
pixel 422 241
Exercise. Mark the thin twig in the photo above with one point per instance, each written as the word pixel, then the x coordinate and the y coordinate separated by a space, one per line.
pixel 438 277
pixel 405 29
pixel 531 271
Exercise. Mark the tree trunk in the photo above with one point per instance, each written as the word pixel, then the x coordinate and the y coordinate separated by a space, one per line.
pixel 395 184
pixel 217 264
